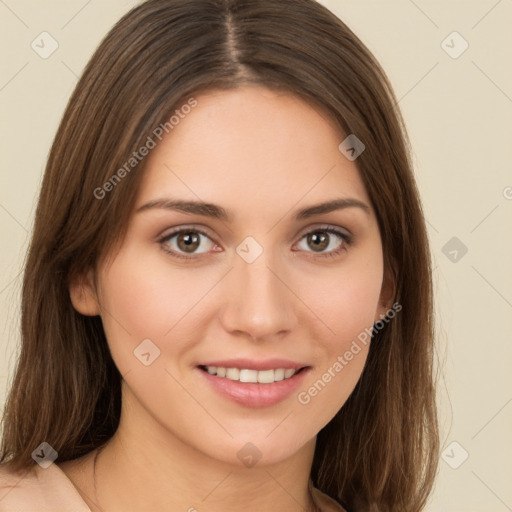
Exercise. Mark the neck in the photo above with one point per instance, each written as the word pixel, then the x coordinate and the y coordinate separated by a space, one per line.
pixel 144 469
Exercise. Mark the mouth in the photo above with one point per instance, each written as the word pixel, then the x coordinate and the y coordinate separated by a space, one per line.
pixel 251 383
pixel 248 375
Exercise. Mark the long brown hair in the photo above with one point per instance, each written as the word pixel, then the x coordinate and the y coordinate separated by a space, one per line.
pixel 381 449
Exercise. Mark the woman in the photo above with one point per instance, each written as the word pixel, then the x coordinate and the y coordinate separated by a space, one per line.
pixel 227 301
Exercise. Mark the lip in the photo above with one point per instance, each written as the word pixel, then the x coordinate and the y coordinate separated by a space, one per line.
pixel 250 394
pixel 252 364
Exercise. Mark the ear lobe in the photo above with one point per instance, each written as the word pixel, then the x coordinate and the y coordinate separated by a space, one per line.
pixel 82 292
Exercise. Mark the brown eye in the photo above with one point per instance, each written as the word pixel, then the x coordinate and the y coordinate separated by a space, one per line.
pixel 188 242
pixel 319 241
pixel 325 242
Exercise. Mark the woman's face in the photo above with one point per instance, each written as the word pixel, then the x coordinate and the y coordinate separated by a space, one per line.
pixel 263 278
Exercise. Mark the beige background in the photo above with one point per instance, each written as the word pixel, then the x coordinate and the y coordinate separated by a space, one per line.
pixel 458 112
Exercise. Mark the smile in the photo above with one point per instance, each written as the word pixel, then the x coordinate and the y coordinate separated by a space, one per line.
pixel 253 383
pixel 253 376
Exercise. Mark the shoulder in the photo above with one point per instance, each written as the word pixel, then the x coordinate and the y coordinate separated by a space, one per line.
pixel 325 503
pixel 38 489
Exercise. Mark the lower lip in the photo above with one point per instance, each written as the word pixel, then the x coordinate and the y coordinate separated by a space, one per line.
pixel 252 394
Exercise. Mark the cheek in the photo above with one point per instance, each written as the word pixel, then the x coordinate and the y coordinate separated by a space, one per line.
pixel 345 299
pixel 148 293
pixel 146 299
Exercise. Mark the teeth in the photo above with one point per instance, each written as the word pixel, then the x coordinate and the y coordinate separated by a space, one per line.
pixel 246 375
pixel 231 373
pixel 266 376
pixel 279 374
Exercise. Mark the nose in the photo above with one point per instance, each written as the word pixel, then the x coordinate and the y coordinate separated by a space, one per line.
pixel 258 304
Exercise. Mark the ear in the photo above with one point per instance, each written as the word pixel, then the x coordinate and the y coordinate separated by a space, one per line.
pixel 388 291
pixel 82 292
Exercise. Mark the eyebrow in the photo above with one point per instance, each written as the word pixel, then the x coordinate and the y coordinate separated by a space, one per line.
pixel 217 212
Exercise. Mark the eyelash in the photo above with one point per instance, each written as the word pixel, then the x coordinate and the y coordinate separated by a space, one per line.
pixel 347 241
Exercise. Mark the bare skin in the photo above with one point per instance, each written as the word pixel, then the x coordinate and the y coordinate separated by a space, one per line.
pixel 262 156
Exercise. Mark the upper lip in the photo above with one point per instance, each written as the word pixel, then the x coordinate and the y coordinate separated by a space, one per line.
pixel 253 364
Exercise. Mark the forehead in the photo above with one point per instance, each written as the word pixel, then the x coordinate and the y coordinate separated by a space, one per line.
pixel 251 148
